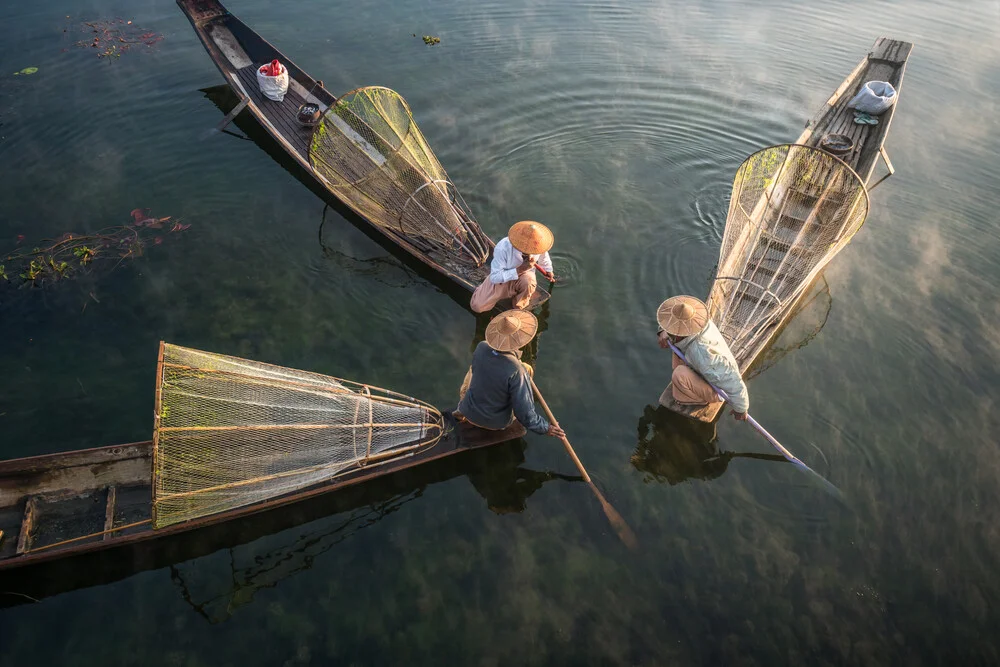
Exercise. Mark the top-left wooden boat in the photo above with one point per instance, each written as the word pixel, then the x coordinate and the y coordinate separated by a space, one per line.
pixel 362 148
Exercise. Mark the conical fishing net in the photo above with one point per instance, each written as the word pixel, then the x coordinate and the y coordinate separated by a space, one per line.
pixel 369 149
pixel 231 432
pixel 792 209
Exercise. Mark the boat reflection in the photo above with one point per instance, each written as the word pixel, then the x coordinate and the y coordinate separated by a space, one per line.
pixel 385 269
pixel 806 321
pixel 263 549
pixel 673 448
pixel 218 584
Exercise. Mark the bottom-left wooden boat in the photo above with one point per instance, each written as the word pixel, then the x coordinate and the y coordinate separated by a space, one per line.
pixel 231 438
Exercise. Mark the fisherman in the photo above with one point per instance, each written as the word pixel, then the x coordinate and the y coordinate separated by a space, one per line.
pixel 497 388
pixel 512 271
pixel 684 321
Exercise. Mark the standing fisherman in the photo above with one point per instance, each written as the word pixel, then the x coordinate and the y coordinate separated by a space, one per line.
pixel 497 388
pixel 684 321
pixel 512 271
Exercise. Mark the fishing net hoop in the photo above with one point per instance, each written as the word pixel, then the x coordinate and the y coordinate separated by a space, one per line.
pixel 368 148
pixel 242 431
pixel 793 208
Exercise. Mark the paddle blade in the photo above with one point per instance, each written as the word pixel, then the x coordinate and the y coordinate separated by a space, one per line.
pixel 616 520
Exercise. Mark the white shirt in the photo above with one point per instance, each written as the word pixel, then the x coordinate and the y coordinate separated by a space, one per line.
pixel 506 259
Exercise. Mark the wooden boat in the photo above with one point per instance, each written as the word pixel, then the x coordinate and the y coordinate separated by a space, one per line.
pixel 238 52
pixel 496 473
pixel 794 207
pixel 58 505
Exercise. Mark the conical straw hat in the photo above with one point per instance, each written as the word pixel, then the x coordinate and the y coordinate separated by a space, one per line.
pixel 682 315
pixel 511 330
pixel 530 237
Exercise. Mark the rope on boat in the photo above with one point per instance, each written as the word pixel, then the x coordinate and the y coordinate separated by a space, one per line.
pixel 86 537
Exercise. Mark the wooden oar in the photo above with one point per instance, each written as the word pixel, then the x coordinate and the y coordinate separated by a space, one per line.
pixel 770 438
pixel 617 522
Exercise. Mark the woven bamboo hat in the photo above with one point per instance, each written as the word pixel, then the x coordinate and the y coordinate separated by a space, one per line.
pixel 682 315
pixel 511 330
pixel 530 237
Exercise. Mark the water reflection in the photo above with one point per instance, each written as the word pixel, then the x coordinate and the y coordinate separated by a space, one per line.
pixel 806 321
pixel 380 268
pixel 218 584
pixel 672 448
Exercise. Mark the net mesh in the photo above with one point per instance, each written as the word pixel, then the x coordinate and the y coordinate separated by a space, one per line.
pixel 231 432
pixel 792 209
pixel 371 153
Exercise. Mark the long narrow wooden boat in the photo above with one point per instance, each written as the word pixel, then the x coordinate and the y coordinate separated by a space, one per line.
pixel 98 499
pixel 794 207
pixel 238 52
pixel 61 505
pixel 496 473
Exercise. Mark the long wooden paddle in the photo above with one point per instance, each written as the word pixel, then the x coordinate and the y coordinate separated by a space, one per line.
pixel 767 436
pixel 617 522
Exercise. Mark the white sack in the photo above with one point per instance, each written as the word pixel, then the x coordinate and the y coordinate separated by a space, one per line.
pixel 874 98
pixel 273 87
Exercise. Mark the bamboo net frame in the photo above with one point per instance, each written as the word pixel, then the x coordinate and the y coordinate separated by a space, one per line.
pixel 229 432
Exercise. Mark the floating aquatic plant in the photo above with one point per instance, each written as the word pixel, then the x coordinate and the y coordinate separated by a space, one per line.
pixel 113 37
pixel 71 254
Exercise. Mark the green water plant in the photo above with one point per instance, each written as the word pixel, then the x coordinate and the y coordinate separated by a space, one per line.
pixel 26 71
pixel 70 255
pixel 113 37
pixel 430 40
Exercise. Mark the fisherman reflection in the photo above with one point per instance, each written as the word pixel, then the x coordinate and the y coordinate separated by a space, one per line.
pixel 673 448
pixel 503 482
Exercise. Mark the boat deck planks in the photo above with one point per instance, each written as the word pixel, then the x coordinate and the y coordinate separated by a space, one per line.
pixel 283 115
pixel 237 51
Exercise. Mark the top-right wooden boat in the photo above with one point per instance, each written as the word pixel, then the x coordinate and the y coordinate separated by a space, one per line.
pixel 793 208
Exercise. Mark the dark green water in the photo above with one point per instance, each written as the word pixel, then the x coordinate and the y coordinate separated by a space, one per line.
pixel 620 125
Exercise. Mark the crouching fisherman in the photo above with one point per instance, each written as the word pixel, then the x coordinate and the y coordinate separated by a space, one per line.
pixel 512 271
pixel 684 321
pixel 497 388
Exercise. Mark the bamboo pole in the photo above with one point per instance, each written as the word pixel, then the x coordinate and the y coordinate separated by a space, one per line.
pixel 88 536
pixel 280 427
pixel 617 522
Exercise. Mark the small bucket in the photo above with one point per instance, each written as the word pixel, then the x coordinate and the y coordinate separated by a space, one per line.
pixel 837 144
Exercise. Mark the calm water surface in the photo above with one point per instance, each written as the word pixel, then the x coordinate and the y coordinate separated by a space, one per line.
pixel 619 124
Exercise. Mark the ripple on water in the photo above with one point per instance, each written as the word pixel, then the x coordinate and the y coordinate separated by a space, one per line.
pixel 568 270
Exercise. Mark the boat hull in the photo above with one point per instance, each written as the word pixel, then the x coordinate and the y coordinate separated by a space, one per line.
pixel 103 496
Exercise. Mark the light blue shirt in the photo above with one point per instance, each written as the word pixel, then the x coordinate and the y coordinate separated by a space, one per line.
pixel 708 353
